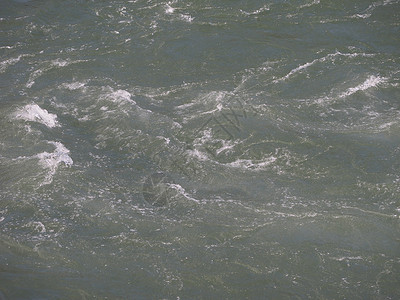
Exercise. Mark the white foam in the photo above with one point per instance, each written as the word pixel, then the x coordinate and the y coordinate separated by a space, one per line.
pixel 256 12
pixel 33 76
pixel 176 125
pixel 368 11
pixel 51 161
pixel 330 57
pixel 11 61
pixel 362 16
pixel 206 136
pixel 166 140
pixel 168 9
pixel 120 96
pixel 74 85
pixel 60 63
pixel 182 191
pixel 186 18
pixel 46 66
pixel 33 113
pixel 226 145
pixel 371 81
pixel 250 165
pixel 8 62
pixel 184 106
pixel 387 125
pixel 38 226
pixel 201 156
pixel 347 258
pixel 310 4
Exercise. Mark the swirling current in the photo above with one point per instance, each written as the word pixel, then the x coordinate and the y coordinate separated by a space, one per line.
pixel 199 149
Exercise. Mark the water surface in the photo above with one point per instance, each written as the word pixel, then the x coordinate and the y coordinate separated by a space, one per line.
pixel 199 149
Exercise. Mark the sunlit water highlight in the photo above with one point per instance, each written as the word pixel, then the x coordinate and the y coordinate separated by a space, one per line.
pixel 199 149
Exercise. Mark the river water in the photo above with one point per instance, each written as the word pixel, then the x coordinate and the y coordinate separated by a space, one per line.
pixel 200 149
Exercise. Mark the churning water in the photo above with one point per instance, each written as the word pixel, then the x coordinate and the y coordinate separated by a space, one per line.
pixel 200 149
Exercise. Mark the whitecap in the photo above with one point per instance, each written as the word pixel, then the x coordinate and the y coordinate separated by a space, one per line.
pixel 214 100
pixel 51 161
pixel 330 57
pixel 33 113
pixel 250 165
pixel 120 96
pixel 371 81
pixel 11 61
pixel 226 146
pixel 38 226
pixel 362 16
pixel 197 154
pixel 345 258
pixel 256 12
pixel 46 66
pixel 186 18
pixel 60 63
pixel 182 191
pixel 169 10
pixel 74 85
pixel 310 4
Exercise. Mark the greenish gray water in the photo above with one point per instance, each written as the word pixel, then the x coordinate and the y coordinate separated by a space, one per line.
pixel 199 149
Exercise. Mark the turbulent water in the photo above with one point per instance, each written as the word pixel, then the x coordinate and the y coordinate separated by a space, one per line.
pixel 200 149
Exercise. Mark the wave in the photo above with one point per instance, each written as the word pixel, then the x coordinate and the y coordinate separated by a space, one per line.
pixel 329 57
pixel 47 66
pixel 74 85
pixel 33 113
pixel 257 11
pixel 371 81
pixel 11 61
pixel 369 10
pixel 121 96
pixel 51 161
pixel 310 3
pixel 251 165
pixel 169 10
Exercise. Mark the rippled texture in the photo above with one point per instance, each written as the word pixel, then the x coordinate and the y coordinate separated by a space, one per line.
pixel 199 149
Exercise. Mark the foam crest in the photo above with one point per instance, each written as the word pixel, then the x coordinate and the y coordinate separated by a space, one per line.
pixel 197 154
pixel 368 12
pixel 51 161
pixel 33 113
pixel 182 191
pixel 49 65
pixel 186 18
pixel 6 63
pixel 121 96
pixel 60 63
pixel 329 57
pixel 371 81
pixel 256 12
pixel 169 9
pixel 310 4
pixel 250 165
pixel 74 85
pixel 206 104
